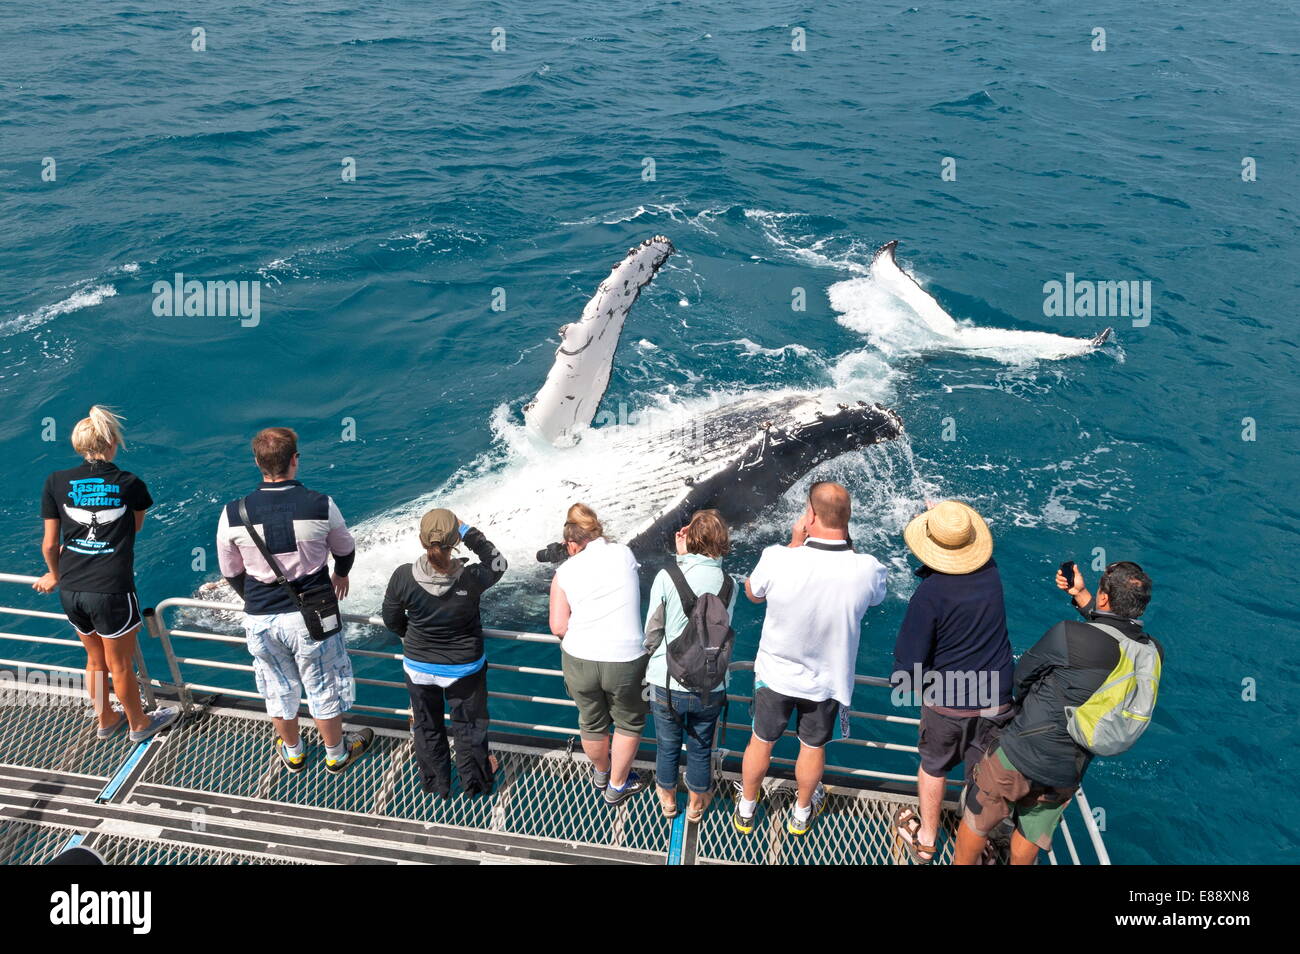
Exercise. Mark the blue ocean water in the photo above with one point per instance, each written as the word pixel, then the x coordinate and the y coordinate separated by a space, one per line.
pixel 774 170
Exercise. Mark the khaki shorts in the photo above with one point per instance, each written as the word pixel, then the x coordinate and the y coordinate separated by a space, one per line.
pixel 607 692
pixel 999 792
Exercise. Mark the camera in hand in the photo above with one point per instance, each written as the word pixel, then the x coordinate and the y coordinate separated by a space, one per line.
pixel 553 553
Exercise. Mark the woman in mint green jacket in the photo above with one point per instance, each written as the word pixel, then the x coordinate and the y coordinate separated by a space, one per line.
pixel 701 545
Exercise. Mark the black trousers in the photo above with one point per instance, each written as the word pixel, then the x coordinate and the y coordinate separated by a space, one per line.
pixel 468 700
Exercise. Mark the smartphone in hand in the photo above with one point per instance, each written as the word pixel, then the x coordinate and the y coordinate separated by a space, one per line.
pixel 1067 570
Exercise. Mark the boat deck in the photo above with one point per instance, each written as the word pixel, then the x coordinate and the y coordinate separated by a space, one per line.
pixel 211 789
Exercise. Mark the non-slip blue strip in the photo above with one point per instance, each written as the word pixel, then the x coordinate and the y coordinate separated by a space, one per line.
pixel 116 781
pixel 676 839
pixel 75 840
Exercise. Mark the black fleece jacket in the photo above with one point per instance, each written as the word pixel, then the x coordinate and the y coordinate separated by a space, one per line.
pixel 1064 668
pixel 437 616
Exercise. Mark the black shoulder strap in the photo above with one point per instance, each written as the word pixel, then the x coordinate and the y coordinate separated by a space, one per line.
pixel 280 578
pixel 728 584
pixel 684 591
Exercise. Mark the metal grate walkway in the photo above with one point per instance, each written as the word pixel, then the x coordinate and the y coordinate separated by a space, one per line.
pixel 211 791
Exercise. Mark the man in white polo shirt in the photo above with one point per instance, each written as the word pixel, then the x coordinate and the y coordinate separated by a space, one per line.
pixel 817 591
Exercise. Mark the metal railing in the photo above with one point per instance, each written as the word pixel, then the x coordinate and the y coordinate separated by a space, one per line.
pixel 156 624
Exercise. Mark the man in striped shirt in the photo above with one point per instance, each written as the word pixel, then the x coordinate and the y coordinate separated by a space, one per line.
pixel 302 529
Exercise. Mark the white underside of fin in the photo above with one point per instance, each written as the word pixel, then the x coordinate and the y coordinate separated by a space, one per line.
pixel 998 343
pixel 577 380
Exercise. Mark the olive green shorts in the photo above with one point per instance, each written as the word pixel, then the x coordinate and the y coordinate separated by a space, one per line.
pixel 998 792
pixel 607 692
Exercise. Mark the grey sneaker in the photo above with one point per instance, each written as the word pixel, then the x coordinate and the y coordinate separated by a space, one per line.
pixel 634 784
pixel 104 735
pixel 796 827
pixel 159 719
pixel 600 779
pixel 354 746
pixel 294 763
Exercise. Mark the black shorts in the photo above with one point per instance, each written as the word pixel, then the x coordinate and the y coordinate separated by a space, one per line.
pixel 109 615
pixel 815 726
pixel 947 741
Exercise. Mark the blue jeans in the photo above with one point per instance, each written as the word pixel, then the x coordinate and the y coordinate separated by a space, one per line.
pixel 699 720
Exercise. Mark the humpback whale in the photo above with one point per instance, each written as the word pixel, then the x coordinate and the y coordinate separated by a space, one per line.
pixel 738 453
pixel 737 458
pixel 886 272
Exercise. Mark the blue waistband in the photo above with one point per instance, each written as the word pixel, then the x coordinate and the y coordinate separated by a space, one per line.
pixel 444 670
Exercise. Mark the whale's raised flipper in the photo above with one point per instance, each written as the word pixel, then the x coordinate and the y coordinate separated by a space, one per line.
pixel 886 272
pixel 578 378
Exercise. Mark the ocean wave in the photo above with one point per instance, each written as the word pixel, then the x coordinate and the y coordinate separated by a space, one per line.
pixel 797 236
pixel 83 298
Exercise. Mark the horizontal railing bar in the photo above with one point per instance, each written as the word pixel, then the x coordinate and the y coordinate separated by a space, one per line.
pixel 868 743
pixel 521 636
pixel 531 670
pixel 559 730
pixel 24 664
pixel 853 714
pixel 385 683
pixel 209 637
pixel 214 664
pixel 41 614
pixel 375 654
pixel 860 773
pixel 544 700
pixel 57 640
pixel 1069 841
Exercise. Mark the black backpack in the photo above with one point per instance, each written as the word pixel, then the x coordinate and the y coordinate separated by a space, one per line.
pixel 699 655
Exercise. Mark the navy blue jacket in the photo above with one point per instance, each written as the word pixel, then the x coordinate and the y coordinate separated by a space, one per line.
pixel 957 624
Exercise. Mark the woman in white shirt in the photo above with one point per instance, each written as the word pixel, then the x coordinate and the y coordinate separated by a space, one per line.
pixel 596 612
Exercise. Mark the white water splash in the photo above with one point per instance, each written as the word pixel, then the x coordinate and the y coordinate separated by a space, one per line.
pixel 891 307
pixel 83 298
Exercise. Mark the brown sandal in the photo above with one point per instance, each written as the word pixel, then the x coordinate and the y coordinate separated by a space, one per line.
pixel 907 825
pixel 667 802
pixel 696 814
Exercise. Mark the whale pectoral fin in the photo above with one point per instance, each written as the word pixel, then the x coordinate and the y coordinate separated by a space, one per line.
pixel 1102 338
pixel 586 353
pixel 889 275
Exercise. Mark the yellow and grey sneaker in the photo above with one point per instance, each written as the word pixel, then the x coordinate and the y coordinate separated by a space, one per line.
pixel 800 826
pixel 294 763
pixel 741 822
pixel 355 745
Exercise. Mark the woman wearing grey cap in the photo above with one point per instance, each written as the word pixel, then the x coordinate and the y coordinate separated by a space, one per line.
pixel 433 605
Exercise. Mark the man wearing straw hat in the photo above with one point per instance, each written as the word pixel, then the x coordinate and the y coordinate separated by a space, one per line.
pixel 953 658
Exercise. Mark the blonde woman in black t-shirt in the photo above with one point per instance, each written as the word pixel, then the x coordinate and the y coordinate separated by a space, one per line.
pixel 91 515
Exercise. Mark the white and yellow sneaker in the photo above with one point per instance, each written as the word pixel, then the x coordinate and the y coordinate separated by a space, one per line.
pixel 292 763
pixel 354 746
pixel 796 827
